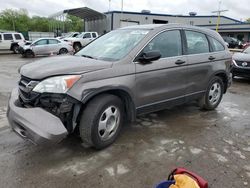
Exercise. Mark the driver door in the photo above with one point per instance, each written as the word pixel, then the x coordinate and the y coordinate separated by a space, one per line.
pixel 162 82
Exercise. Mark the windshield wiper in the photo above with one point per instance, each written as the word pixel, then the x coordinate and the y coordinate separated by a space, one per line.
pixel 88 56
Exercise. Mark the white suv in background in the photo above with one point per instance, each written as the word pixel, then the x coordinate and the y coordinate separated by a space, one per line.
pixel 9 41
pixel 81 40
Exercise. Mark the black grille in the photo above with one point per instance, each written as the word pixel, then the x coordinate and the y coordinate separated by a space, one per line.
pixel 26 85
pixel 243 63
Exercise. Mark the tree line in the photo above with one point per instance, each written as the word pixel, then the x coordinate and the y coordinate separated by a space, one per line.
pixel 19 20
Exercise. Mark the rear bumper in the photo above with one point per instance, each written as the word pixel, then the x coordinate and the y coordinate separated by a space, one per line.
pixel 34 124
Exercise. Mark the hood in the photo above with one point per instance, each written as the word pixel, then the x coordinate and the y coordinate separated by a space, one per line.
pixel 71 39
pixel 241 57
pixel 62 65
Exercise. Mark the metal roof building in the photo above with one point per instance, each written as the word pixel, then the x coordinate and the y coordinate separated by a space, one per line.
pixel 105 22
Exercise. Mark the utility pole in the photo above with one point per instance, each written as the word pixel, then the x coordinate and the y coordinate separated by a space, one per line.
pixel 109 4
pixel 219 11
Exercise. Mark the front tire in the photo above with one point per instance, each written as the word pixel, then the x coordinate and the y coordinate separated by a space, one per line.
pixel 213 95
pixel 101 121
pixel 15 49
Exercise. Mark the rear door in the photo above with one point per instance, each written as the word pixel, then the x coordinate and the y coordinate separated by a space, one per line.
pixel 53 46
pixel 162 82
pixel 7 40
pixel 199 60
pixel 1 42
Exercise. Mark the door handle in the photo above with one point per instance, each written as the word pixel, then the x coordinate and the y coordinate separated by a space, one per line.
pixel 211 58
pixel 179 62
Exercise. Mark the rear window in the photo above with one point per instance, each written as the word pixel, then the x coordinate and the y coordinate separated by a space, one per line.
pixel 18 37
pixel 7 37
pixel 197 43
pixel 53 41
pixel 0 37
pixel 94 35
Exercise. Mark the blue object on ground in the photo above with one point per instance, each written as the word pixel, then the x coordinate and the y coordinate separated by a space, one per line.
pixel 165 184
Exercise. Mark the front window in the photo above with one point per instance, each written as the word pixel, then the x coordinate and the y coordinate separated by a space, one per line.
pixel 114 45
pixel 247 50
pixel 167 43
pixel 41 42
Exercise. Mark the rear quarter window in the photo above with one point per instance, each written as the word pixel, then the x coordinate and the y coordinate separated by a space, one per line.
pixel 216 45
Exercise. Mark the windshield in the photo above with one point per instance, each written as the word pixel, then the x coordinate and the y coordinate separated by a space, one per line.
pixel 247 50
pixel 69 35
pixel 80 35
pixel 114 45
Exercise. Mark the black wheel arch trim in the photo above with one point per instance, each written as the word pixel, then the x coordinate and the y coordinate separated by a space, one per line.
pixel 13 44
pixel 122 92
pixel 225 78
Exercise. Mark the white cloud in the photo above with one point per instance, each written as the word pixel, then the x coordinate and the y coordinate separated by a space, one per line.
pixel 237 9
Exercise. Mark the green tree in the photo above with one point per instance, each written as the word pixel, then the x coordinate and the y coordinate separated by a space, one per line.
pixel 16 20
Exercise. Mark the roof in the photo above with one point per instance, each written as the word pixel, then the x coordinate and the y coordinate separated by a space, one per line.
pixel 85 13
pixel 171 15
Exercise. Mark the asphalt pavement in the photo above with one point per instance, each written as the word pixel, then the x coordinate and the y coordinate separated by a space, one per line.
pixel 214 144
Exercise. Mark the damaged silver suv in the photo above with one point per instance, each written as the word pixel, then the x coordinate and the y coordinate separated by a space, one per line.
pixel 125 73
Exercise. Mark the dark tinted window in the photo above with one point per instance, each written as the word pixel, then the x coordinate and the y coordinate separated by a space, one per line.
pixel 87 35
pixel 75 35
pixel 18 37
pixel 216 45
pixel 0 37
pixel 41 42
pixel 53 41
pixel 7 37
pixel 197 43
pixel 168 43
pixel 94 35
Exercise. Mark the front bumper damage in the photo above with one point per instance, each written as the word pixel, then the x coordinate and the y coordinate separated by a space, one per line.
pixel 34 124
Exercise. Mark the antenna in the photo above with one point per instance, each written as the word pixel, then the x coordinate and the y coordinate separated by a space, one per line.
pixel 219 11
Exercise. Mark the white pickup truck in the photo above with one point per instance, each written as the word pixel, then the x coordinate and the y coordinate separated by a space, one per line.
pixel 9 41
pixel 81 40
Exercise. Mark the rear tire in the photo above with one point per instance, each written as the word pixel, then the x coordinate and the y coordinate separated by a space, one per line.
pixel 213 95
pixel 101 121
pixel 63 51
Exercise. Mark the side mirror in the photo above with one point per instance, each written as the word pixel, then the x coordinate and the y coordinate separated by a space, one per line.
pixel 149 56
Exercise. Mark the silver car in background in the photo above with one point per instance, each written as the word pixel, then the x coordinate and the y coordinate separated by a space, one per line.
pixel 46 46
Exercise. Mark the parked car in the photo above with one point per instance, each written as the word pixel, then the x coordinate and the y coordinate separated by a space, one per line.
pixel 232 42
pixel 46 46
pixel 69 35
pixel 9 41
pixel 125 73
pixel 82 40
pixel 241 63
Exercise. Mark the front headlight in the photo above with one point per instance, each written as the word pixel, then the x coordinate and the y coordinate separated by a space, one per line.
pixel 58 84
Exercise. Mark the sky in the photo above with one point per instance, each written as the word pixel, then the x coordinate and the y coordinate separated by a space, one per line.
pixel 238 9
